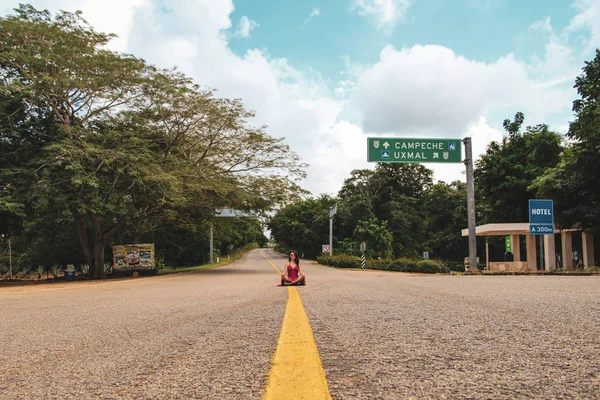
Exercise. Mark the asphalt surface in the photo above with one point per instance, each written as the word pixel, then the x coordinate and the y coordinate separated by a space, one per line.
pixel 212 335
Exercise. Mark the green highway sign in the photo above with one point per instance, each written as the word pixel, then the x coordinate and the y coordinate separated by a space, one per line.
pixel 414 150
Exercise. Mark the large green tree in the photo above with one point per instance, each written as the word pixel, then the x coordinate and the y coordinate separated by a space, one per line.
pixel 504 174
pixel 401 201
pixel 303 226
pixel 446 217
pixel 109 143
pixel 573 183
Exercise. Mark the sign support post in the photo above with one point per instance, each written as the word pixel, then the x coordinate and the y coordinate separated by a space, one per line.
pixel 332 212
pixel 471 204
pixel 9 259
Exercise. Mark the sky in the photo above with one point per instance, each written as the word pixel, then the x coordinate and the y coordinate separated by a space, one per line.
pixel 327 74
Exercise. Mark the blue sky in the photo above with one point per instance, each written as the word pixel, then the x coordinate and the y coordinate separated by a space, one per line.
pixel 474 29
pixel 359 68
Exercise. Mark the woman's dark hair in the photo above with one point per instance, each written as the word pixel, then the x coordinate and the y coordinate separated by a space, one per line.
pixel 296 258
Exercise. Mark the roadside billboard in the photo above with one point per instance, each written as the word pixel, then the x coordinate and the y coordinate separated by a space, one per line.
pixel 133 257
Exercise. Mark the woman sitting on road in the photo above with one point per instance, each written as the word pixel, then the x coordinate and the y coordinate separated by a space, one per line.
pixel 293 274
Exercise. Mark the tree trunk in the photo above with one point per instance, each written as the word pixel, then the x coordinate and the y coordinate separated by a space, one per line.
pixel 94 255
pixel 83 241
pixel 98 263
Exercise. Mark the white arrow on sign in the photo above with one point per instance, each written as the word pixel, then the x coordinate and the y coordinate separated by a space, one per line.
pixel 386 145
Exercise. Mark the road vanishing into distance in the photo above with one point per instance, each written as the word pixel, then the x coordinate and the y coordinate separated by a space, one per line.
pixel 231 333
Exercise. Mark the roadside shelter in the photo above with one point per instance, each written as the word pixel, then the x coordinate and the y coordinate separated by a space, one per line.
pixel 516 230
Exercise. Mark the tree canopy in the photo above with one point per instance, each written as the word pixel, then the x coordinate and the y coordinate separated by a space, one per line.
pixel 105 143
pixel 573 182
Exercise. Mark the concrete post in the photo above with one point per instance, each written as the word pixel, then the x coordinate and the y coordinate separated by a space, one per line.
pixel 515 245
pixel 567 250
pixel 531 252
pixel 549 252
pixel 588 249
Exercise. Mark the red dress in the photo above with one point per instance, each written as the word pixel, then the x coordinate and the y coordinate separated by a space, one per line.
pixel 292 271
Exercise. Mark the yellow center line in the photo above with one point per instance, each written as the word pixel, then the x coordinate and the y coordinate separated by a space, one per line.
pixel 273 265
pixel 296 369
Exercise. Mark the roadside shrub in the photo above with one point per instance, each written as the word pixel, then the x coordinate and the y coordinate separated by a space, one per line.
pixel 250 246
pixel 404 265
pixel 56 269
pixel 85 269
pixel 400 265
pixel 454 266
pixel 324 259
pixel 381 265
pixel 160 263
pixel 429 267
pixel 340 261
pixel 345 261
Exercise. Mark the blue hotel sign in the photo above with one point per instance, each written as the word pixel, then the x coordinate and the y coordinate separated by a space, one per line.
pixel 541 217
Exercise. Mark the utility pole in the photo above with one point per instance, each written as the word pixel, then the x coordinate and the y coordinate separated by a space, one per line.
pixel 211 243
pixel 471 204
pixel 9 260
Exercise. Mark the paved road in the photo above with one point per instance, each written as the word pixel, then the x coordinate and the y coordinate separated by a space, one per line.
pixel 212 334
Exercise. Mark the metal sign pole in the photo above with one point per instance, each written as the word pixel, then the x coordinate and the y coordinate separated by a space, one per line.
pixel 331 235
pixel 211 243
pixel 471 204
pixel 9 260
pixel 332 212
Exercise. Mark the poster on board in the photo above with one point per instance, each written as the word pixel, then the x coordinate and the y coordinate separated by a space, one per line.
pixel 133 256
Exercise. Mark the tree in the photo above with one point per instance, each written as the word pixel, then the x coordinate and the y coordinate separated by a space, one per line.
pixel 303 226
pixel 377 237
pixel 446 211
pixel 572 184
pixel 356 199
pixel 117 143
pixel 401 203
pixel 504 174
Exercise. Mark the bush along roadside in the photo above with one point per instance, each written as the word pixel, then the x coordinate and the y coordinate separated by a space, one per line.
pixel 400 265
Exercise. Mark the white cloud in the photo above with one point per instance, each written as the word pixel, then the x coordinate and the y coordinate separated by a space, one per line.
pixel 294 104
pixel 543 25
pixel 337 151
pixel 385 13
pixel 430 90
pixel 245 26
pixel 587 19
pixel 481 135
pixel 314 13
